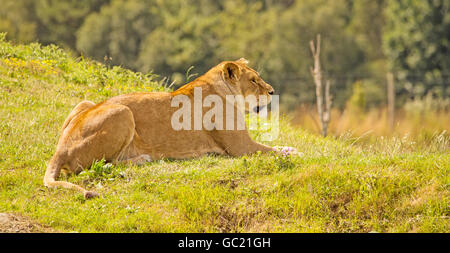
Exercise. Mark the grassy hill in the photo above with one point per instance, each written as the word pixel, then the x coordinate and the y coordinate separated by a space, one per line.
pixel 338 184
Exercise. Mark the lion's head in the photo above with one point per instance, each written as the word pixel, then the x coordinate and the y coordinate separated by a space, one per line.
pixel 247 82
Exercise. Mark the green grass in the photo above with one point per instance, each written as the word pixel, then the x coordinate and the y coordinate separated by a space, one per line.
pixel 338 184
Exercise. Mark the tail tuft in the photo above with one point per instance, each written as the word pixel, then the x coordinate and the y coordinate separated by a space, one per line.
pixel 52 173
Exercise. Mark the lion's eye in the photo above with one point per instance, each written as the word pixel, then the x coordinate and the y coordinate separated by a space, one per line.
pixel 253 80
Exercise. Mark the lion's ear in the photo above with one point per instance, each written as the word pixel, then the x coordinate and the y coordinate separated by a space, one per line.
pixel 231 72
pixel 243 60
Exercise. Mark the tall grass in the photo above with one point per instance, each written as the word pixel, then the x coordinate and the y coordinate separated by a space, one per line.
pixel 411 120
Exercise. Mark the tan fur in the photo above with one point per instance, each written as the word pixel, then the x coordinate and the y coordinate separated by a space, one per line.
pixel 137 127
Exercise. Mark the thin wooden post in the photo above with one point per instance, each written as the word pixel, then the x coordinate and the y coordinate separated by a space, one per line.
pixel 324 110
pixel 390 100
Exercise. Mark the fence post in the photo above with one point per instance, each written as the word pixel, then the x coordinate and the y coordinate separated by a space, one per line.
pixel 390 100
pixel 324 110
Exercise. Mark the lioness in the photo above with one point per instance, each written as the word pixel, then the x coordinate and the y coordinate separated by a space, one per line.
pixel 136 128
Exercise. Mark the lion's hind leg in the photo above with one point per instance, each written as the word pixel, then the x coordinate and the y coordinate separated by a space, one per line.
pixel 80 107
pixel 53 171
pixel 56 166
pixel 104 131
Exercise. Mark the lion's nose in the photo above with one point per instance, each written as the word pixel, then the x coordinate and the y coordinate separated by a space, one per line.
pixel 271 92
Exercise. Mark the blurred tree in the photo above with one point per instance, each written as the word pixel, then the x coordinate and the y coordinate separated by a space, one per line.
pixel 202 35
pixel 367 25
pixel 18 19
pixel 248 29
pixel 341 56
pixel 273 37
pixel 245 30
pixel 116 32
pixel 48 21
pixel 416 43
pixel 359 39
pixel 182 39
pixel 61 19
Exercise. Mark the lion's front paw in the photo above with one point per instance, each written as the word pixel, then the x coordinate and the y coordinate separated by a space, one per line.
pixel 146 158
pixel 286 150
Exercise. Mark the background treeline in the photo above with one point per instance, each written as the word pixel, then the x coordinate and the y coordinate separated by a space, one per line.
pixel 361 40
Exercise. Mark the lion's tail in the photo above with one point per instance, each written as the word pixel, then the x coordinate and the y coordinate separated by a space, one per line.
pixel 52 173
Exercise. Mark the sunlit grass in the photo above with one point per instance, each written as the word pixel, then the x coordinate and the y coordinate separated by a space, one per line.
pixel 337 184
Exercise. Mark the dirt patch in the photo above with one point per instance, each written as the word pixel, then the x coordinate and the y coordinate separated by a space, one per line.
pixel 241 217
pixel 339 205
pixel 14 223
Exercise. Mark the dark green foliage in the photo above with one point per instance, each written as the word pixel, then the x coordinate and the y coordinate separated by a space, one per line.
pixel 114 34
pixel 61 19
pixel 416 42
pixel 362 40
pixel 19 20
